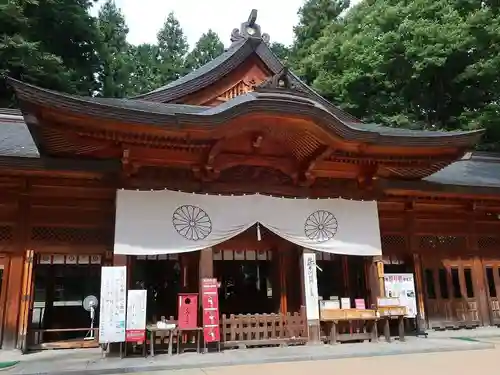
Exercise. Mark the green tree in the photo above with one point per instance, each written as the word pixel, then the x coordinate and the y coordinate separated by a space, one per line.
pixel 428 63
pixel 314 17
pixel 23 58
pixel 281 51
pixel 146 74
pixel 116 64
pixel 172 48
pixel 65 29
pixel 207 48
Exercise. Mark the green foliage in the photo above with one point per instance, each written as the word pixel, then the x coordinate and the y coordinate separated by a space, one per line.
pixel 208 47
pixel 115 59
pixel 314 17
pixel 281 51
pixel 425 63
pixel 145 75
pixel 48 43
pixel 173 47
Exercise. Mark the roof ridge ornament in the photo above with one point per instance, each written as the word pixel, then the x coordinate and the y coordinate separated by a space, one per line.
pixel 249 29
pixel 280 81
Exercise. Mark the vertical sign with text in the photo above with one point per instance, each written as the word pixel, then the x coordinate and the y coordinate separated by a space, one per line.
pixel 210 307
pixel 310 286
pixel 136 316
pixel 112 305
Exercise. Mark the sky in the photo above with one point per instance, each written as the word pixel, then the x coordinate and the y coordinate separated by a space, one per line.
pixel 145 17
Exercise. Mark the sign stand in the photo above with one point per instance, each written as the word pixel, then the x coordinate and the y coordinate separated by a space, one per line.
pixel 310 287
pixel 113 307
pixel 210 307
pixel 136 318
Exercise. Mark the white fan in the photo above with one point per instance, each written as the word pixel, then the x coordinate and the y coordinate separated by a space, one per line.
pixel 90 304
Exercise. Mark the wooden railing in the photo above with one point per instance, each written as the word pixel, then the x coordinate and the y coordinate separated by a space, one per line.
pixel 263 329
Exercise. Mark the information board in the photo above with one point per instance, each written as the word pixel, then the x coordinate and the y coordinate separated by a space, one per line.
pixel 402 286
pixel 210 306
pixel 311 285
pixel 112 305
pixel 136 316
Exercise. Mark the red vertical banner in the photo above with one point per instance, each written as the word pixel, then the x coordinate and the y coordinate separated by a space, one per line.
pixel 210 306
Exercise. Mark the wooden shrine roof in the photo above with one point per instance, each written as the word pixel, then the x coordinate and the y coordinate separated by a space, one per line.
pixel 277 102
pixel 19 152
pixel 476 172
pixel 242 112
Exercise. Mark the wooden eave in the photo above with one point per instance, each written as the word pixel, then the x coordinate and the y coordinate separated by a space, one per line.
pixel 279 106
pixel 56 167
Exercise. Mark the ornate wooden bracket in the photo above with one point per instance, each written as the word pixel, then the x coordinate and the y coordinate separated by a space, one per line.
pixel 308 175
pixel 212 154
pixel 366 177
pixel 129 168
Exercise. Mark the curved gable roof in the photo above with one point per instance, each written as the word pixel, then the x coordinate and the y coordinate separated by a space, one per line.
pixel 222 65
pixel 277 101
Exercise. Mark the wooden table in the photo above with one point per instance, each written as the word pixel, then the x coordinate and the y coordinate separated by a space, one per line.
pixel 401 327
pixel 388 313
pixel 153 330
pixel 198 331
pixel 335 317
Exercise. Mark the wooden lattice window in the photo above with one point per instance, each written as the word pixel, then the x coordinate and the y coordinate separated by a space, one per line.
pixel 6 233
pixel 393 242
pixel 488 242
pixel 86 236
pixel 442 242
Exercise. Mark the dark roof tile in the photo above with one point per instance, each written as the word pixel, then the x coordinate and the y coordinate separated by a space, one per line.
pixel 15 138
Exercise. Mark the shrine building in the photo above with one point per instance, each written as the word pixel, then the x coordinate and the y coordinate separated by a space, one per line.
pixel 235 171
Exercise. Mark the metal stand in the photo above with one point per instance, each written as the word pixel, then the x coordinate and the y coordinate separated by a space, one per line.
pixel 418 322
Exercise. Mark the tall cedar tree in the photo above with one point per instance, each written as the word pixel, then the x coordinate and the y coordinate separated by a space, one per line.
pixel 207 48
pixel 146 74
pixel 314 17
pixel 116 66
pixel 428 63
pixel 66 29
pixel 30 50
pixel 173 48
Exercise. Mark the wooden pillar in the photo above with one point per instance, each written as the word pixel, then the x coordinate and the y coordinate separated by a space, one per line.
pixel 413 248
pixel 14 293
pixel 376 279
pixel 478 273
pixel 206 265
pixel 18 281
pixel 283 266
pixel 419 285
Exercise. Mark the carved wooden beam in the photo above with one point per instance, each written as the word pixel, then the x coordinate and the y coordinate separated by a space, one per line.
pixel 321 154
pixel 366 177
pixel 129 168
pixel 212 154
pixel 286 166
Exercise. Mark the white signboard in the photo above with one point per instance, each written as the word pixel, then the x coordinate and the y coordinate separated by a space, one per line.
pixel 402 286
pixel 136 315
pixel 311 286
pixel 112 305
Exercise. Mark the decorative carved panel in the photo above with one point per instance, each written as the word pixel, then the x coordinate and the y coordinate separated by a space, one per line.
pixel 488 242
pixel 240 88
pixel 6 233
pixel 393 243
pixel 261 175
pixel 82 236
pixel 452 243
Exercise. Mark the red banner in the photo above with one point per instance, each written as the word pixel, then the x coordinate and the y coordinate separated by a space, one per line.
pixel 210 305
pixel 135 335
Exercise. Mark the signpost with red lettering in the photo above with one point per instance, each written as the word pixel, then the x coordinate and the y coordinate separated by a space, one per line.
pixel 210 307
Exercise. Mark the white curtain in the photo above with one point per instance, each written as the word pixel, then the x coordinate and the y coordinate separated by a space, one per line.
pixel 163 222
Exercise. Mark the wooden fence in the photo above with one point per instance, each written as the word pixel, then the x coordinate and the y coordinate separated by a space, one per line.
pixel 263 329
